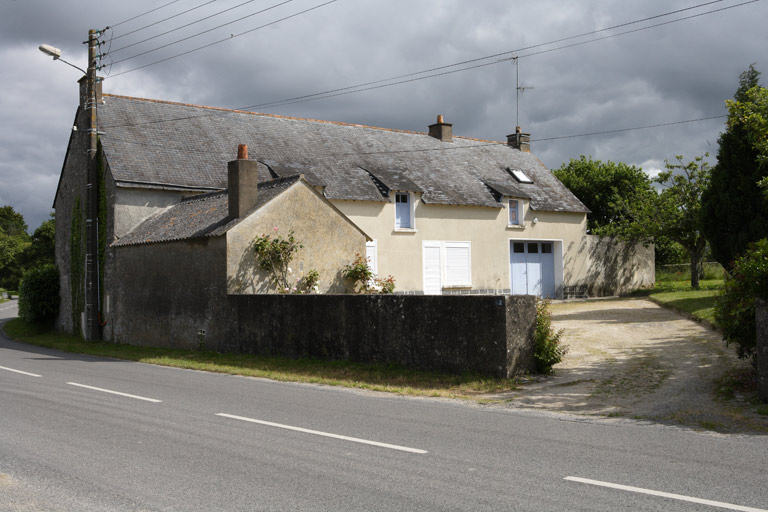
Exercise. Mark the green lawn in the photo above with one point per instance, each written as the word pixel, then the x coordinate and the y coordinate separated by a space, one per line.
pixel 389 378
pixel 678 295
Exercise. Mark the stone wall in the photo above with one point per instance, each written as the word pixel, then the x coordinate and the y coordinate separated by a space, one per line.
pixel 604 266
pixel 491 335
pixel 761 314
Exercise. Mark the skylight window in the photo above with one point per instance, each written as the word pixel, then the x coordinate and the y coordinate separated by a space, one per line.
pixel 520 176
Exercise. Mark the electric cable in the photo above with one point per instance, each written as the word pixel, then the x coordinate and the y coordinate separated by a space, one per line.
pixel 183 26
pixel 232 36
pixel 165 19
pixel 387 82
pixel 145 13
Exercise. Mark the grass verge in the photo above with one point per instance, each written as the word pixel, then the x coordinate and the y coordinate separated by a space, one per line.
pixel 375 377
pixel 678 295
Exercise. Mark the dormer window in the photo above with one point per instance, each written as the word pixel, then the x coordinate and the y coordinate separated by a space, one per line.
pixel 403 210
pixel 520 176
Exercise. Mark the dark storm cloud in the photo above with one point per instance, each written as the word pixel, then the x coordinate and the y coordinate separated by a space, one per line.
pixel 675 72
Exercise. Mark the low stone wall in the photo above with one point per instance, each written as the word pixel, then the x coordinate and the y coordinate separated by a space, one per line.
pixel 761 314
pixel 491 335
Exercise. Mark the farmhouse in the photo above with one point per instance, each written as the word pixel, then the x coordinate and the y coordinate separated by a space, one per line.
pixel 442 214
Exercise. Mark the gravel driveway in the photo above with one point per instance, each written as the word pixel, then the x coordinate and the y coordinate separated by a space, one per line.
pixel 632 358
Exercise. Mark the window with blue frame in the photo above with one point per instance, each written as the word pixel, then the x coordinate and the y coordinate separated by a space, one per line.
pixel 403 217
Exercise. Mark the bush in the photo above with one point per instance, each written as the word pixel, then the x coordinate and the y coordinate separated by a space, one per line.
pixel 547 349
pixel 365 281
pixel 39 294
pixel 735 308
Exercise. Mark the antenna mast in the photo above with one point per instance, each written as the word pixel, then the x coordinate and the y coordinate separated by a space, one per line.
pixel 519 89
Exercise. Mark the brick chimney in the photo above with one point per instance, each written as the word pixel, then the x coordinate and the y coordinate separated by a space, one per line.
pixel 440 130
pixel 520 140
pixel 242 183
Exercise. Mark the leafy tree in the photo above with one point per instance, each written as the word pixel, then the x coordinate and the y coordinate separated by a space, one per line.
pixel 603 188
pixel 735 308
pixel 675 213
pixel 734 208
pixel 42 248
pixel 13 241
pixel 11 222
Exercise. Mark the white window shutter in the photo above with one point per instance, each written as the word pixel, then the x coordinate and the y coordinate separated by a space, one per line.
pixel 457 264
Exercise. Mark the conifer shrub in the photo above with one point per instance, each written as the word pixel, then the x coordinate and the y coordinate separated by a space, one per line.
pixel 39 294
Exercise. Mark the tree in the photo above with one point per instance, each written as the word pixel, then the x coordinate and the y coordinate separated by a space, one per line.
pixel 734 208
pixel 603 188
pixel 735 308
pixel 675 213
pixel 13 241
pixel 42 248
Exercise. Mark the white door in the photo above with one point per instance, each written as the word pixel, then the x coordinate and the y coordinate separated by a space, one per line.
pixel 432 266
pixel 532 268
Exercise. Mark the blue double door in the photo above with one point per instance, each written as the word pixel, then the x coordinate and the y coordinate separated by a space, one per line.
pixel 532 267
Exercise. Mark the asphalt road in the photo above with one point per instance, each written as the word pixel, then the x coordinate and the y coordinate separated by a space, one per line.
pixel 179 440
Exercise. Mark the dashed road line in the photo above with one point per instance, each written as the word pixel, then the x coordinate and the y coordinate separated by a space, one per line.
pixel 669 495
pixel 324 434
pixel 137 397
pixel 19 371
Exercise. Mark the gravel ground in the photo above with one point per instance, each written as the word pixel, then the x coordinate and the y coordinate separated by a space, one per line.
pixel 632 358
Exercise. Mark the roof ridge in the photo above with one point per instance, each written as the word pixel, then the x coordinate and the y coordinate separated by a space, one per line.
pixel 276 116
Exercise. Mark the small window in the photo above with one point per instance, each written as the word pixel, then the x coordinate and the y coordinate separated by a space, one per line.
pixel 546 248
pixel 520 176
pixel 533 248
pixel 403 217
pixel 518 247
pixel 514 212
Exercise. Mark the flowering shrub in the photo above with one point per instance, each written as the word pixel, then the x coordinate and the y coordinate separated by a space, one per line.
pixel 274 255
pixel 365 280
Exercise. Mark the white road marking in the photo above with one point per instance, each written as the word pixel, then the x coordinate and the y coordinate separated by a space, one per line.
pixel 19 371
pixel 325 434
pixel 680 497
pixel 114 392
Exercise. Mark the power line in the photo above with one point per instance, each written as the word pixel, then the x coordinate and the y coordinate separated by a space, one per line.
pixel 164 20
pixel 144 13
pixel 629 129
pixel 478 59
pixel 215 28
pixel 387 82
pixel 181 27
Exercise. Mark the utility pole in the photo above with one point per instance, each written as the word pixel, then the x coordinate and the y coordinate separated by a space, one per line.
pixel 92 328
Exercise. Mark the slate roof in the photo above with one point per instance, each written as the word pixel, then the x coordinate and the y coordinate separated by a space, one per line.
pixel 199 216
pixel 155 143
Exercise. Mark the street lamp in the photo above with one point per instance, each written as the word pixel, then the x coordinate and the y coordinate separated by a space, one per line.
pixel 56 54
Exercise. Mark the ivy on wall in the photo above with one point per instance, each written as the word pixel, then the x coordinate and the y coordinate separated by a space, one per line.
pixel 102 219
pixel 76 265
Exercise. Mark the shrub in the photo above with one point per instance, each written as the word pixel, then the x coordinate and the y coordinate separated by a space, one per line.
pixel 547 349
pixel 365 280
pixel 39 294
pixel 735 307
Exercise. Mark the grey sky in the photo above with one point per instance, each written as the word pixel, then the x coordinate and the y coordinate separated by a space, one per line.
pixel 679 71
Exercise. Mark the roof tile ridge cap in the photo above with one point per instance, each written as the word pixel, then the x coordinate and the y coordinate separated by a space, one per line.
pixel 276 182
pixel 202 197
pixel 275 116
pixel 479 140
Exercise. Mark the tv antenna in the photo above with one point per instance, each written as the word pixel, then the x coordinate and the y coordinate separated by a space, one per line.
pixel 519 89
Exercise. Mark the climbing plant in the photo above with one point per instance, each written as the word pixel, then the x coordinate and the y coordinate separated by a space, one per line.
pixel 76 264
pixel 274 255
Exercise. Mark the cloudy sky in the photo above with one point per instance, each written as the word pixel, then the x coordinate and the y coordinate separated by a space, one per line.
pixel 582 75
